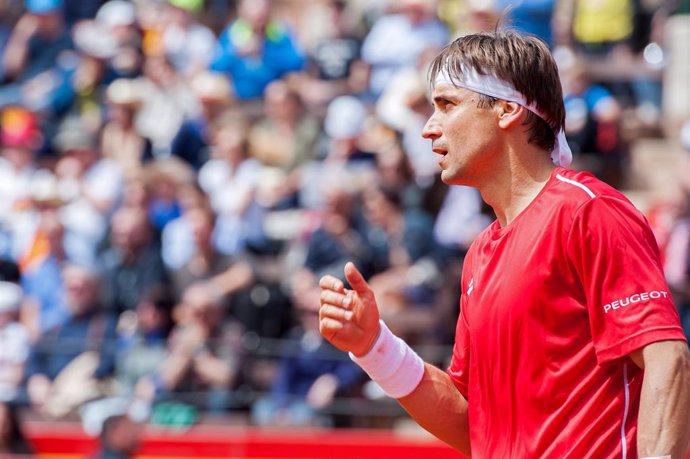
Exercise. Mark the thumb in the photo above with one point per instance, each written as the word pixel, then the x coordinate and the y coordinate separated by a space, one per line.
pixel 355 279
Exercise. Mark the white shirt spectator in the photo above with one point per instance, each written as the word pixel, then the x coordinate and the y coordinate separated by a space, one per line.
pixel 228 189
pixel 395 43
pixel 86 225
pixel 14 341
pixel 189 49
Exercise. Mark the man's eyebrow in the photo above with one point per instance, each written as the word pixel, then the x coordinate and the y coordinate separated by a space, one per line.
pixel 444 96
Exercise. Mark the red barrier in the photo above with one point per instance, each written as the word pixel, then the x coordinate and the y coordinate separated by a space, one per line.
pixel 215 441
pixel 241 442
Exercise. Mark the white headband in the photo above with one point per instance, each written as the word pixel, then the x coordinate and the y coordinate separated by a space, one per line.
pixel 489 85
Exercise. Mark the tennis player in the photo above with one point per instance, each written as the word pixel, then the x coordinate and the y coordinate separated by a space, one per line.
pixel 568 344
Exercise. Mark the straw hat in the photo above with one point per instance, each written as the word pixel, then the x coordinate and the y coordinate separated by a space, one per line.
pixel 124 91
pixel 212 87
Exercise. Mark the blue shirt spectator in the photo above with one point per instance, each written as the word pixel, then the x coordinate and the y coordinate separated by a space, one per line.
pixel 530 16
pixel 255 51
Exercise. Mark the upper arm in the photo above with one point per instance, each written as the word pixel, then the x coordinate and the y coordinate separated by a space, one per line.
pixel 662 353
pixel 616 259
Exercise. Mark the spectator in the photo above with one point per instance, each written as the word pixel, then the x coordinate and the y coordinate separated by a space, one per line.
pixel 7 20
pixel 404 106
pixel 177 237
pixel 36 41
pixel 395 172
pixel 398 38
pixel 309 376
pixel 592 121
pixel 284 139
pixel 344 125
pixel 120 140
pixel 591 110
pixel 20 139
pixel 227 274
pixel 168 101
pixel 334 67
pixel 204 356
pixel 255 50
pixel 116 423
pixel 235 280
pixel 118 19
pixel 71 364
pixel 187 43
pixel 90 186
pixel 119 439
pixel 344 150
pixel 596 28
pixel 337 235
pixel 42 277
pixel 79 94
pixel 214 93
pixel 230 179
pixel 166 179
pixel 142 338
pixel 14 343
pixel 135 191
pixel 407 271
pixel 532 17
pixel 132 264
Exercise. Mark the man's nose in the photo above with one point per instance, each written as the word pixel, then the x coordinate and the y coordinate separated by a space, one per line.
pixel 432 129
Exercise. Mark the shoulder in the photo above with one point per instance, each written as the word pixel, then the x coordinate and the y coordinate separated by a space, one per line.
pixel 606 222
pixel 584 197
pixel 572 190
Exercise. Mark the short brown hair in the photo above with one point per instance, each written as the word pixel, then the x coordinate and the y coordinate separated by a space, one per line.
pixel 521 60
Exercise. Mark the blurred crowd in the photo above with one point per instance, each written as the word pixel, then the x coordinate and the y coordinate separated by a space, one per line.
pixel 176 175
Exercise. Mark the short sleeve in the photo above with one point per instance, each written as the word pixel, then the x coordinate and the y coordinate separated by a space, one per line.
pixel 616 258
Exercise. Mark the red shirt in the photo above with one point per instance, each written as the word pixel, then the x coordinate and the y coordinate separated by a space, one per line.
pixel 552 304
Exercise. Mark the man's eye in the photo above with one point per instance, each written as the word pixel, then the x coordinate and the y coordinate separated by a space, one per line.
pixel 446 104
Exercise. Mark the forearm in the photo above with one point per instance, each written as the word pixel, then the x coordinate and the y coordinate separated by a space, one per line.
pixel 350 320
pixel 15 55
pixel 173 369
pixel 426 392
pixel 233 279
pixel 664 416
pixel 12 374
pixel 214 371
pixel 448 420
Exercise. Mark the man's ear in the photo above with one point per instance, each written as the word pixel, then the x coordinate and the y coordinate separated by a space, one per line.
pixel 509 113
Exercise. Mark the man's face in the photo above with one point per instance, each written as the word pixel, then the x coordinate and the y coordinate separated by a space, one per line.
pixel 129 229
pixel 48 22
pixel 81 288
pixel 19 157
pixel 463 134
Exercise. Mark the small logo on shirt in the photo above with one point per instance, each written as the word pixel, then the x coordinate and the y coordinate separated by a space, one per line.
pixel 636 298
pixel 470 287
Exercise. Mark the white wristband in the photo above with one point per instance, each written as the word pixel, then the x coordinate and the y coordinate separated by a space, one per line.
pixel 392 364
pixel 656 457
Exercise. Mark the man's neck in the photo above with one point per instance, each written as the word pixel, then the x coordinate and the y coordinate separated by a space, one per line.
pixel 516 183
